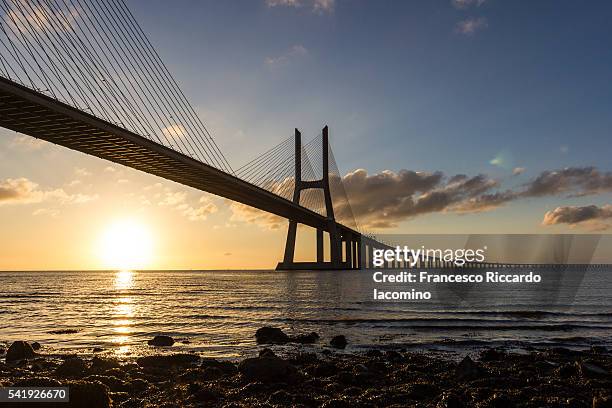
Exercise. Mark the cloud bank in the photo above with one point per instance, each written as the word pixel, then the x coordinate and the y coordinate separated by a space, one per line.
pixel 591 216
pixel 385 199
pixel 25 191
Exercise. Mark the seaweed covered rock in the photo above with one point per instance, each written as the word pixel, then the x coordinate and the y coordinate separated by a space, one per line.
pixel 72 367
pixel 168 361
pixel 161 341
pixel 271 335
pixel 19 350
pixel 84 394
pixel 267 369
pixel 338 342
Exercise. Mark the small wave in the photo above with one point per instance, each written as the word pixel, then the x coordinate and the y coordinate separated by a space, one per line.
pixel 534 313
pixel 434 324
pixel 65 331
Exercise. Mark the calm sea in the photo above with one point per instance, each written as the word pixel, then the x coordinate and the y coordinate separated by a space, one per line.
pixel 216 313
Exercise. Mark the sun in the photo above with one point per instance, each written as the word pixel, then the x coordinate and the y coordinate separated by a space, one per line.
pixel 126 244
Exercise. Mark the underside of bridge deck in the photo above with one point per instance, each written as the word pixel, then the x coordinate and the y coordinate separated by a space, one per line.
pixel 29 112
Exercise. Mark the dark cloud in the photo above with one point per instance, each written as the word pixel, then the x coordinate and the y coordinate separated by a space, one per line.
pixel 575 181
pixel 486 202
pixel 383 200
pixel 592 216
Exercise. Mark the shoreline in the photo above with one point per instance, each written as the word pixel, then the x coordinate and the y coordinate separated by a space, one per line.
pixel 288 375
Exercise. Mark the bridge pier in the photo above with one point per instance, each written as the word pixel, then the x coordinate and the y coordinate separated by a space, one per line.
pixel 337 238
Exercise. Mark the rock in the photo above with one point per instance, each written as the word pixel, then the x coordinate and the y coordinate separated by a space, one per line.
pixel 309 338
pixel 72 367
pixel 377 366
pixel 2 350
pixel 113 383
pixel 271 335
pixel 266 352
pixel 89 395
pixel 500 401
pixel 324 369
pixel 267 369
pixel 119 396
pixel 394 356
pixel 373 353
pixel 598 349
pixel 168 361
pixel 338 342
pixel 281 397
pixel 227 367
pixel 36 346
pixel 602 402
pixel 492 355
pixel 345 377
pixel 19 350
pixel 104 364
pixel 192 374
pixel 116 372
pixel 97 350
pixel 422 391
pixel 252 388
pixel 543 365
pixel 206 395
pixel 161 341
pixel 304 359
pixel 211 374
pixel 467 370
pixel 336 403
pixel 590 370
pixel 137 385
pixel 450 400
pixel 37 382
pixel 566 371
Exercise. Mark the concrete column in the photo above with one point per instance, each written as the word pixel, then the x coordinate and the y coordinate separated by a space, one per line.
pixel 292 229
pixel 320 256
pixel 349 252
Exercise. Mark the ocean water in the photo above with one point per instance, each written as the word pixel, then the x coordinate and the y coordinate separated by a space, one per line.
pixel 216 313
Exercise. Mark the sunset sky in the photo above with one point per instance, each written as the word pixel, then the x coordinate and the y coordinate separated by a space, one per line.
pixel 464 116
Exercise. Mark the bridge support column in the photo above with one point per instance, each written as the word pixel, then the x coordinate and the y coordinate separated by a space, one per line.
pixel 320 257
pixel 335 235
pixel 290 243
pixel 349 252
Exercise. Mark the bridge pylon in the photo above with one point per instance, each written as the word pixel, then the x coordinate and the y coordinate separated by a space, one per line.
pixel 336 237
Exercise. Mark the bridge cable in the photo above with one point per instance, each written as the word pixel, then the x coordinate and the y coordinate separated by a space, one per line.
pixel 173 81
pixel 167 112
pixel 167 87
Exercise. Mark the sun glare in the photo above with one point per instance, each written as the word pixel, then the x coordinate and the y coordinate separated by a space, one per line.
pixel 126 244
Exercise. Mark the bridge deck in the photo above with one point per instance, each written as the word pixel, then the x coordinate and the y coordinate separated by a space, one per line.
pixel 34 114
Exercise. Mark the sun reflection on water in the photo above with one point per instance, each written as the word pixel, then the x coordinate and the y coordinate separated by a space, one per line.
pixel 124 280
pixel 122 312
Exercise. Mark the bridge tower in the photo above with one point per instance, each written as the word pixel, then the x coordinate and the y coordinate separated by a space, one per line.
pixel 335 236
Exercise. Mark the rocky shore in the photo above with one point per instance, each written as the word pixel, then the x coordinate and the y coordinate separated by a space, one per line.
pixel 555 377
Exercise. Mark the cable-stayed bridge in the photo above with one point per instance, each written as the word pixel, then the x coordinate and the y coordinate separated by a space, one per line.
pixel 83 74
